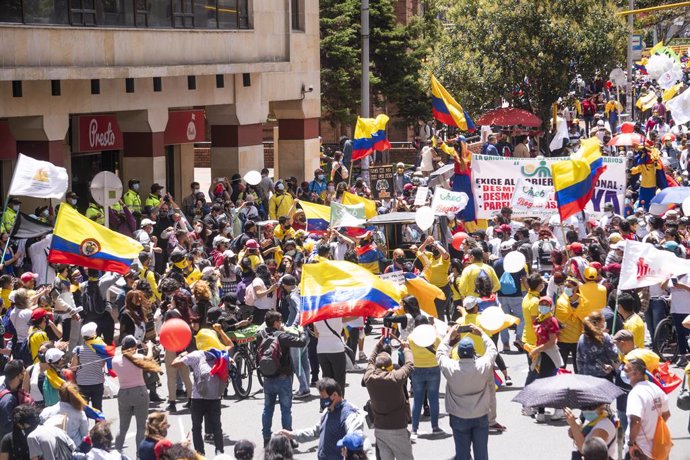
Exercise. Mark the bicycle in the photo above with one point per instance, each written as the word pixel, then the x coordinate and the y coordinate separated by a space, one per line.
pixel 665 340
pixel 245 356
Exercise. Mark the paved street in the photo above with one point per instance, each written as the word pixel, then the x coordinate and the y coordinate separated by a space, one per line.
pixel 524 439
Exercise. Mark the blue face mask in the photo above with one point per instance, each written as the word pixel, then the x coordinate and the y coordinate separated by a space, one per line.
pixel 590 415
pixel 568 291
pixel 544 309
pixel 325 403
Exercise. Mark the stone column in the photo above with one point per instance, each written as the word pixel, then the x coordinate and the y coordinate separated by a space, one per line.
pixel 298 144
pixel 41 137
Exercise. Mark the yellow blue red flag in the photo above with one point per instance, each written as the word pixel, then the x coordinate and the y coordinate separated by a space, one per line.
pixel 335 289
pixel 369 205
pixel 574 179
pixel 318 216
pixel 370 135
pixel 78 240
pixel 446 109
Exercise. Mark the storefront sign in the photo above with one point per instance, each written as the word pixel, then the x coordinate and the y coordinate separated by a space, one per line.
pixel 532 199
pixel 381 181
pixel 98 133
pixel 185 126
pixel 494 180
pixel 445 201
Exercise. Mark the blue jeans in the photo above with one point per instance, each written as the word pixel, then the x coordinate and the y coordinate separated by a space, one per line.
pixel 654 314
pixel 472 432
pixel 301 367
pixel 681 332
pixel 425 381
pixel 280 387
pixel 512 306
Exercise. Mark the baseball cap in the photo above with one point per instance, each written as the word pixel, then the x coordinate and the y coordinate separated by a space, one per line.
pixel 608 205
pixel 466 348
pixel 506 246
pixel 251 244
pixel 28 276
pixel 546 300
pixel 576 247
pixel 220 239
pixel 53 355
pixel 400 165
pixel 353 442
pixel 591 273
pixel 612 268
pixel 146 222
pixel 89 330
pixel 623 335
pixel 615 237
pixel 38 314
pixel 470 302
pixel 128 342
pixel 228 253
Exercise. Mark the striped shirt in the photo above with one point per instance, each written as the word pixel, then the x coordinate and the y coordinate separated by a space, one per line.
pixel 90 370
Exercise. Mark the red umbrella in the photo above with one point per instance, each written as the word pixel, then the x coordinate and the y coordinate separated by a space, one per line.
pixel 509 116
pixel 627 137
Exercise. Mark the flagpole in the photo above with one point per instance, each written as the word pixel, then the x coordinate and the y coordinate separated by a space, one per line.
pixel 615 316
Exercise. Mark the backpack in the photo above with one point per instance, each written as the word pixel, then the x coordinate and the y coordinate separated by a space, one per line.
pixel 270 353
pixel 7 323
pixel 250 295
pixel 235 244
pixel 508 286
pixel 22 396
pixel 93 301
pixel 544 249
pixel 156 275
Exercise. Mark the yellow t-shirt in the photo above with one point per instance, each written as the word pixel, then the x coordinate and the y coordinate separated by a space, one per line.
pixel 472 318
pixel 35 341
pixel 572 325
pixel 595 295
pixel 422 356
pixel 5 294
pixel 635 325
pixel 454 287
pixel 469 276
pixel 436 271
pixel 530 310
pixel 283 234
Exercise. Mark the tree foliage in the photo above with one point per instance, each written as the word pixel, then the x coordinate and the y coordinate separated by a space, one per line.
pixel 524 51
pixel 396 53
pixel 662 21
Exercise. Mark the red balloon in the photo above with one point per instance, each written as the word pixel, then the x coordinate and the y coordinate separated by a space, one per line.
pixel 458 239
pixel 175 335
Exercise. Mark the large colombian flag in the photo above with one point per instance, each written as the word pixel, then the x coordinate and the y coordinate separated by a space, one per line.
pixel 318 216
pixel 81 241
pixel 335 289
pixel 446 109
pixel 574 179
pixel 370 135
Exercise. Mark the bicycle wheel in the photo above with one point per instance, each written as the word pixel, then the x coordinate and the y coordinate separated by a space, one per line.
pixel 242 382
pixel 665 342
pixel 253 354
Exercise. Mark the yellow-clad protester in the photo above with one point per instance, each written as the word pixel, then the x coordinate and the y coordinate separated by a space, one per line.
pixel 131 196
pixel 280 203
pixel 530 309
pixel 631 320
pixel 146 273
pixel 567 305
pixel 436 263
pixel 595 293
pixel 468 278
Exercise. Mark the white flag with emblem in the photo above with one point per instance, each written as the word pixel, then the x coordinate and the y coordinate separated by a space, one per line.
pixel 644 265
pixel 39 179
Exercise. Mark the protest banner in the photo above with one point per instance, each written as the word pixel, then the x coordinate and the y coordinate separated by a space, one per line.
pixel 445 201
pixel 397 278
pixel 421 196
pixel 381 178
pixel 494 180
pixel 532 199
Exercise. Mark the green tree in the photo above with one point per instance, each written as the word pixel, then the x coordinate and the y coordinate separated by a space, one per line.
pixel 524 51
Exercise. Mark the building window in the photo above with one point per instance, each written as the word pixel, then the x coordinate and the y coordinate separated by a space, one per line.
pixel 183 13
pixel 141 13
pixel 227 14
pixel 82 12
pixel 297 14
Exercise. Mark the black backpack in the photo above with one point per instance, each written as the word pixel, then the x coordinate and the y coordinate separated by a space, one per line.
pixel 93 302
pixel 544 249
pixel 269 356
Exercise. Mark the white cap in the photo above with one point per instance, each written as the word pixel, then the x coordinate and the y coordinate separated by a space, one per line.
pixel 228 253
pixel 220 239
pixel 208 271
pixel 89 330
pixel 146 222
pixel 470 302
pixel 53 355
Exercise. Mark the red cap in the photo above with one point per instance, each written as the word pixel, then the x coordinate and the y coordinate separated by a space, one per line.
pixel 408 187
pixel 596 265
pixel 38 314
pixel 576 247
pixel 251 244
pixel 505 228
pixel 612 268
pixel 28 276
pixel 546 299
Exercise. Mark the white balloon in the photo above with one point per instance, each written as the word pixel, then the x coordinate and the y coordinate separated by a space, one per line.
pixel 686 206
pixel 423 335
pixel 514 261
pixel 424 218
pixel 252 177
pixel 492 318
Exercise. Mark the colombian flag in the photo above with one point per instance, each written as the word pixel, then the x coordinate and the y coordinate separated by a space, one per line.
pixel 446 110
pixel 574 179
pixel 81 241
pixel 318 216
pixel 425 293
pixel 370 135
pixel 351 199
pixel 335 289
pixel 105 352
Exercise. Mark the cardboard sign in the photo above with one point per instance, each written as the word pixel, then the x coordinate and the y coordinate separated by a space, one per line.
pixel 445 201
pixel 381 179
pixel 421 196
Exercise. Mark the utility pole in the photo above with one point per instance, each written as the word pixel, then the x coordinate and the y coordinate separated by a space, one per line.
pixel 364 111
pixel 629 69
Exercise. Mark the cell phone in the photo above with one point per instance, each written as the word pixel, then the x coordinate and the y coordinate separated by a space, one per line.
pixel 464 329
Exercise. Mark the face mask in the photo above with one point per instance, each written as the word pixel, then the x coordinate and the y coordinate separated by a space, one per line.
pixel 568 291
pixel 45 213
pixel 331 188
pixel 16 208
pixel 544 309
pixel 195 190
pixel 320 176
pixel 435 253
pixel 135 187
pixel 624 378
pixel 325 403
pixel 280 187
pixel 73 202
pixel 399 260
pixel 590 415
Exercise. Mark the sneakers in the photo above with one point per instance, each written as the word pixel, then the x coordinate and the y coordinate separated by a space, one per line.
pixel 541 418
pixel 154 398
pixel 438 431
pixel 682 361
pixel 362 356
pixel 188 404
pixel 508 382
pixel 498 427
pixel 313 384
pixel 171 407
pixel 413 436
pixel 294 443
pixel 558 414
pixel 529 411
pixel 303 395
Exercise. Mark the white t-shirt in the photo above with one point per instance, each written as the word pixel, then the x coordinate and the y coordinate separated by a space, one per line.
pixel 607 425
pixel 427 163
pixel 647 401
pixel 20 320
pixel 328 341
pixel 680 298
pixel 266 302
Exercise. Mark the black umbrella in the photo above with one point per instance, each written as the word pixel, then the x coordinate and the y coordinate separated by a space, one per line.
pixel 568 390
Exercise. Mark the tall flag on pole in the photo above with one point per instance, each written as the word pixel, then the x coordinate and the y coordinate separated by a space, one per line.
pixel 81 241
pixel 574 179
pixel 318 216
pixel 446 109
pixel 29 227
pixel 370 135
pixel 335 289
pixel 39 179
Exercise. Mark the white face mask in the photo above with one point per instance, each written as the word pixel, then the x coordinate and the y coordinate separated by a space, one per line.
pixel 73 202
pixel 568 291
pixel 45 213
pixel 544 309
pixel 135 187
pixel 16 208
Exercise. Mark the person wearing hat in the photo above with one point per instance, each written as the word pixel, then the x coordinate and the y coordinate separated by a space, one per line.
pixel 468 279
pixel 389 402
pixel 575 266
pixel 502 234
pixel 468 391
pixel 88 359
pixel 154 198
pixel 648 166
pixel 220 245
pixel 40 321
pixel 352 447
pixel 609 216
pixel 131 198
pixel 10 214
pixel 400 179
pixel 280 203
pixel 594 293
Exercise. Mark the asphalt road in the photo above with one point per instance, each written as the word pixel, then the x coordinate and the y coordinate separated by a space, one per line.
pixel 524 438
